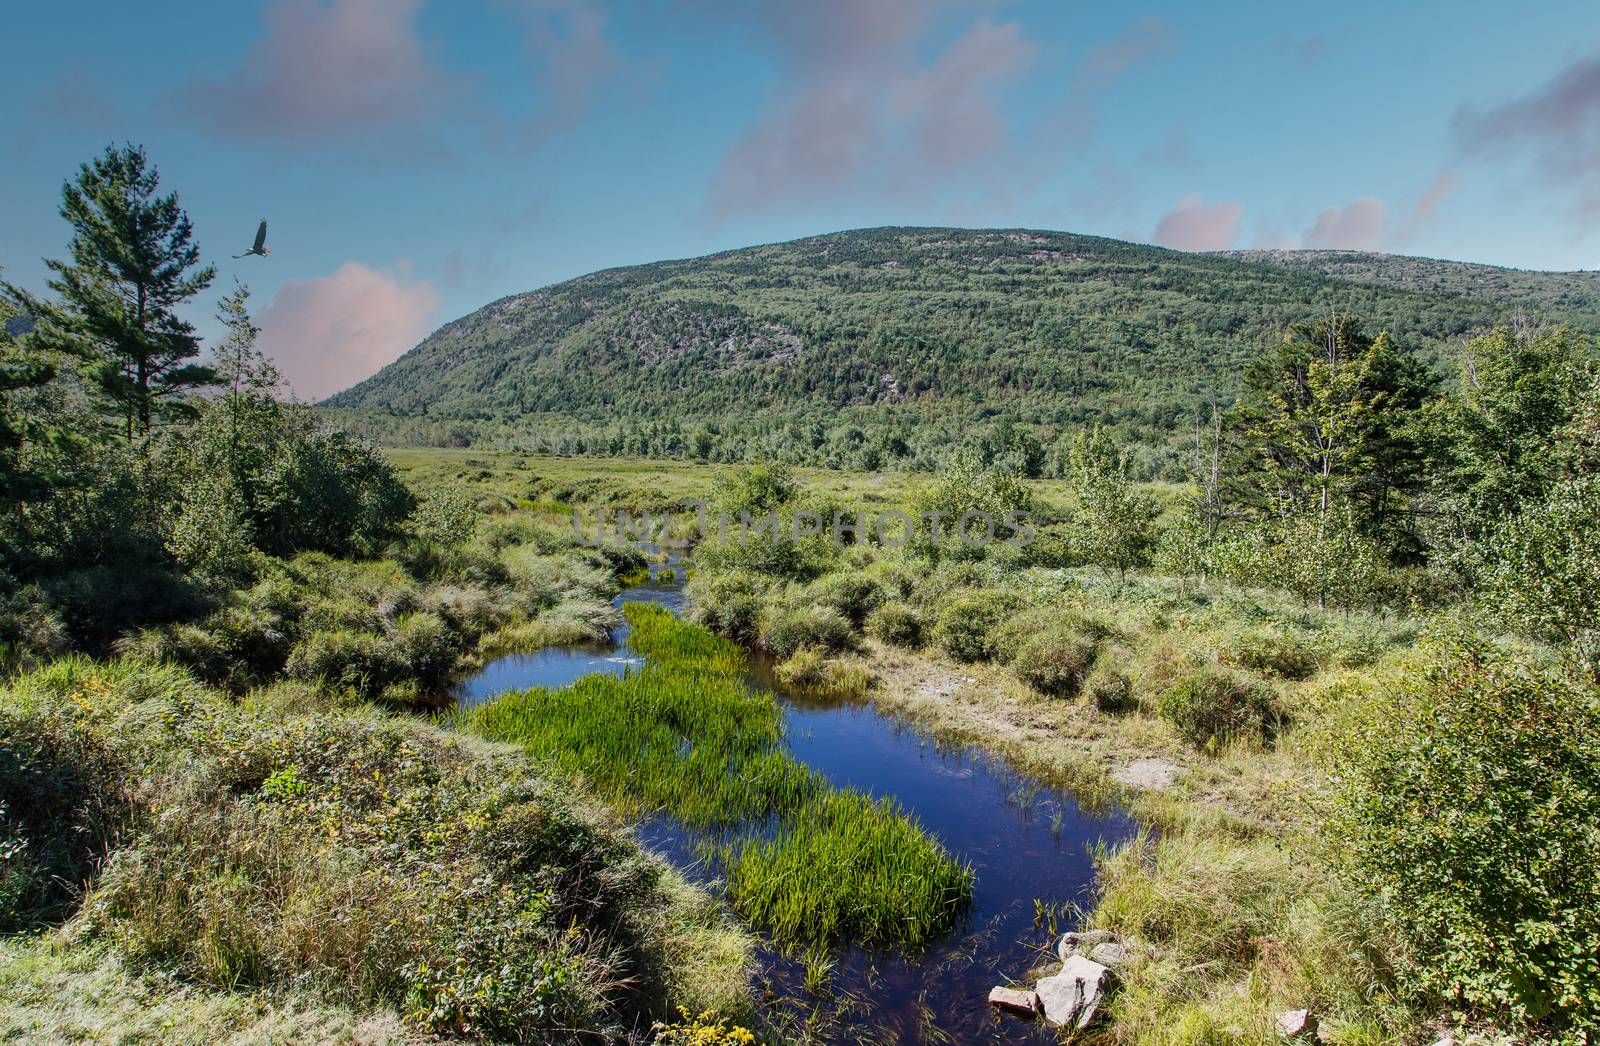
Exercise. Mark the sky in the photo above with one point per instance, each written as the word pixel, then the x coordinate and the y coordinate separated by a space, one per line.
pixel 417 159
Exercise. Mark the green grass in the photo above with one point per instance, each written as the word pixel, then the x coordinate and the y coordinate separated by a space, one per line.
pixel 685 735
pixel 847 866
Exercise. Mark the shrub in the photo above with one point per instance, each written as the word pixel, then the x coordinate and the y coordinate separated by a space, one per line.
pixel 427 647
pixel 358 660
pixel 1469 813
pixel 1213 705
pixel 787 629
pixel 805 669
pixel 729 604
pixel 1054 663
pixel 851 593
pixel 60 810
pixel 1109 688
pixel 896 622
pixel 969 624
pixel 1273 653
pixel 1540 570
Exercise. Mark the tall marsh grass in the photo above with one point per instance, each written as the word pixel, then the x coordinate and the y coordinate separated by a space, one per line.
pixel 687 736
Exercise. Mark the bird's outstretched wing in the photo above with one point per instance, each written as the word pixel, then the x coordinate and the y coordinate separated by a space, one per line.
pixel 261 236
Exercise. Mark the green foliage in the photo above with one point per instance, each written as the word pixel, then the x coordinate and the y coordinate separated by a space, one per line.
pixel 1109 688
pixel 753 490
pixel 61 811
pixel 728 604
pixel 896 622
pixel 1499 434
pixel 968 498
pixel 1325 561
pixel 850 592
pixel 1054 663
pixel 1112 525
pixel 1329 421
pixel 1469 813
pixel 133 265
pixel 1273 652
pixel 686 735
pixel 848 868
pixel 785 629
pixel 1540 569
pixel 1211 706
pixel 968 624
pixel 887 347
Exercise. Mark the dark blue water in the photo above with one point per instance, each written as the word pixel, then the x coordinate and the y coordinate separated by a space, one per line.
pixel 1029 846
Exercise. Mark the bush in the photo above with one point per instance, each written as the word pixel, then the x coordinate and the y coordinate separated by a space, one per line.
pixel 359 661
pixel 851 593
pixel 969 624
pixel 376 861
pixel 787 629
pixel 1213 705
pixel 1469 813
pixel 1540 570
pixel 897 623
pixel 427 647
pixel 804 669
pixel 60 811
pixel 1272 653
pixel 1109 689
pixel 1054 664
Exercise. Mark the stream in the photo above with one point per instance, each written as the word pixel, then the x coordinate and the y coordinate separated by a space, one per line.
pixel 1029 845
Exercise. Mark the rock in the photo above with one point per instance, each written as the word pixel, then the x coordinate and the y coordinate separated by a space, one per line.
pixel 1110 954
pixel 1448 1040
pixel 1073 996
pixel 1013 1000
pixel 1080 943
pixel 1297 1024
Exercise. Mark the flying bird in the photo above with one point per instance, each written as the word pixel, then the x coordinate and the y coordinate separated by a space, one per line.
pixel 260 246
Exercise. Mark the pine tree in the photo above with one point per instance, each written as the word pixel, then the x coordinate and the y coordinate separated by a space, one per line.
pixel 133 263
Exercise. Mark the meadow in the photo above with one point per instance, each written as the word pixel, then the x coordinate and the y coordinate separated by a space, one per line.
pixel 1231 718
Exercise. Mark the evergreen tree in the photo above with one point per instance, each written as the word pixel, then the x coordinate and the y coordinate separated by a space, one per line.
pixel 133 263
pixel 1329 420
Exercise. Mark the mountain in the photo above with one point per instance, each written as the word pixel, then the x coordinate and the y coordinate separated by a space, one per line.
pixel 822 343
pixel 1575 295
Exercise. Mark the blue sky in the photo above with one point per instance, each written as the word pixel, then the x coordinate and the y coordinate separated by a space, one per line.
pixel 418 158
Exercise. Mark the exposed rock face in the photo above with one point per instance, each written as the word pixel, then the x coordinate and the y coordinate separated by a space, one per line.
pixel 1110 954
pixel 1013 1000
pixel 1081 943
pixel 1072 997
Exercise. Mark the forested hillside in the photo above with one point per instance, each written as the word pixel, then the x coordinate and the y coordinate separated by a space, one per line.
pixel 858 348
pixel 1573 294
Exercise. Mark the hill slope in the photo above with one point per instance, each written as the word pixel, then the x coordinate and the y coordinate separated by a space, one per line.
pixel 937 326
pixel 1575 295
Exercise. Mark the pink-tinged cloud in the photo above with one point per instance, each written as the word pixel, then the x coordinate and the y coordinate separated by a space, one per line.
pixel 1357 226
pixel 1104 66
pixel 954 106
pixel 327 333
pixel 1428 204
pixel 1074 119
pixel 860 109
pixel 573 60
pixel 1559 124
pixel 322 72
pixel 1194 225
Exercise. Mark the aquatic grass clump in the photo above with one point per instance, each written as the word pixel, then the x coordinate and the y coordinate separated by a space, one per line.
pixel 686 735
pixel 845 866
